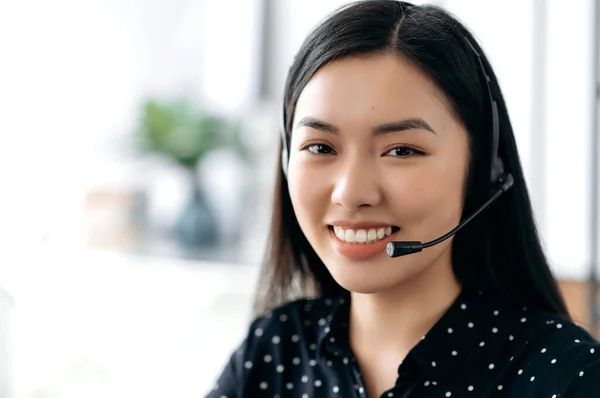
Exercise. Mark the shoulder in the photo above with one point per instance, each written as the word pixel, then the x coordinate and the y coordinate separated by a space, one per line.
pixel 296 323
pixel 561 333
pixel 563 354
pixel 292 316
pixel 269 341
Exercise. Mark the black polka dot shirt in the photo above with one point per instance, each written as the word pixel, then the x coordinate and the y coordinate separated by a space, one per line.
pixel 479 348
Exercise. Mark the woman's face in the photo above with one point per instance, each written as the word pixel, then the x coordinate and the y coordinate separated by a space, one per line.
pixel 376 156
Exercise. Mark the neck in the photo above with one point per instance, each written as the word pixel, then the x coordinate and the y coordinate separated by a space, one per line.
pixel 395 320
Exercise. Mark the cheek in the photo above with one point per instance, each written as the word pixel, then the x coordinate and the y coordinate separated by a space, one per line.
pixel 429 197
pixel 309 196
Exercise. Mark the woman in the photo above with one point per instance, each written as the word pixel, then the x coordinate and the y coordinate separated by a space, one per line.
pixel 393 133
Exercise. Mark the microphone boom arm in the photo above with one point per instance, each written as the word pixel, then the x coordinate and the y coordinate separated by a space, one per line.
pixel 395 249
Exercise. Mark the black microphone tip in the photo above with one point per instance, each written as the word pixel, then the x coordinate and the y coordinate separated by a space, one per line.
pixel 396 249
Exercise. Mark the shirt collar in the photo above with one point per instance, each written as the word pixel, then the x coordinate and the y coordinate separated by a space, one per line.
pixel 454 335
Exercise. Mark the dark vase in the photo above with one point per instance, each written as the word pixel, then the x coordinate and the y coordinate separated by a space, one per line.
pixel 197 225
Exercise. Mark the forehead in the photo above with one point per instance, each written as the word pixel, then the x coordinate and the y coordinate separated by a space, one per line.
pixel 373 88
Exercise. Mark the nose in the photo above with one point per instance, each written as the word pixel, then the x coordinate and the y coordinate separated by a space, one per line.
pixel 356 186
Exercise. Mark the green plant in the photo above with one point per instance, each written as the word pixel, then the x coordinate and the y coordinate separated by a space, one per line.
pixel 181 131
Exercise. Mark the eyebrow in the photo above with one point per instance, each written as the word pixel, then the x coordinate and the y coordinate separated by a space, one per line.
pixel 386 128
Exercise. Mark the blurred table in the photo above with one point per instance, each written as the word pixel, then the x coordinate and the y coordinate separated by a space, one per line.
pixel 98 324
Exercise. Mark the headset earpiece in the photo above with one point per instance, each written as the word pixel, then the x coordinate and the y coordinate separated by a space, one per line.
pixel 285 158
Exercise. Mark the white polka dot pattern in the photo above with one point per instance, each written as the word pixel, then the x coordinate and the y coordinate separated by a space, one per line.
pixel 302 349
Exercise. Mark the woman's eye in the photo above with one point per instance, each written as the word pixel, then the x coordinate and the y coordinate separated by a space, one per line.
pixel 403 152
pixel 320 149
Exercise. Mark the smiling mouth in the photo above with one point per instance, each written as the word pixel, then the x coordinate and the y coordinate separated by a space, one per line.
pixel 363 236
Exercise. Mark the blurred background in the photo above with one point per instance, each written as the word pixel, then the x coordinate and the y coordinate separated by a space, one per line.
pixel 138 153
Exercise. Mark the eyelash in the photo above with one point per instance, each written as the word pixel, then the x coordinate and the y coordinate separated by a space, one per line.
pixel 318 145
pixel 415 152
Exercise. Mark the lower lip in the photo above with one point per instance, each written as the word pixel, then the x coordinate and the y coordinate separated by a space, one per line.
pixel 360 251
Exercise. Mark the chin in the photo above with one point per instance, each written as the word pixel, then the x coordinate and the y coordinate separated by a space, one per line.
pixel 367 286
pixel 372 278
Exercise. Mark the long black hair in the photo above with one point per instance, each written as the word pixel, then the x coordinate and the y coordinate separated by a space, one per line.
pixel 500 250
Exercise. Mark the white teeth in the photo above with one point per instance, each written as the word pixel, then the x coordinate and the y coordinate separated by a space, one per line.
pixel 372 234
pixel 350 236
pixel 361 236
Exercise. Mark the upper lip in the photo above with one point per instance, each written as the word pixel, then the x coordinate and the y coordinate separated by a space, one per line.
pixel 360 225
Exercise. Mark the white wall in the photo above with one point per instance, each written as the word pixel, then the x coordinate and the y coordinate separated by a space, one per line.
pixel 569 122
pixel 6 345
pixel 557 160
